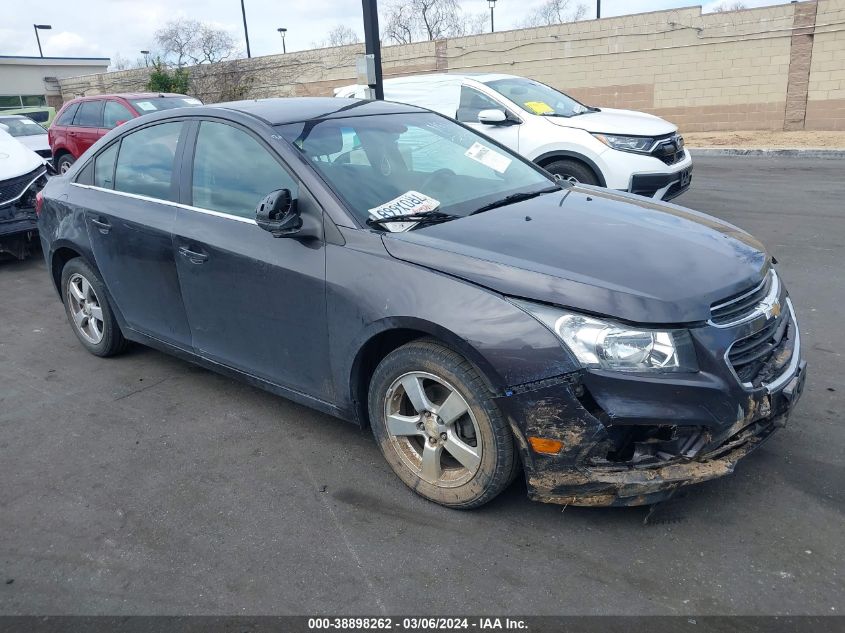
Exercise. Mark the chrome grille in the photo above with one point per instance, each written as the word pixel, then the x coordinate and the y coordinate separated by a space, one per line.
pixel 13 188
pixel 759 358
pixel 745 305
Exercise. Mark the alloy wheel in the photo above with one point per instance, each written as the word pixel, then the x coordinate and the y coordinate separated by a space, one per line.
pixel 85 308
pixel 433 429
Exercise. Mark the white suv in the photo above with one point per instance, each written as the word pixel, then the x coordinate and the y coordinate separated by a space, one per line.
pixel 618 149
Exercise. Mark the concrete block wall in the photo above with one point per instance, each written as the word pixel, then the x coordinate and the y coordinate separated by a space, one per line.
pixel 779 67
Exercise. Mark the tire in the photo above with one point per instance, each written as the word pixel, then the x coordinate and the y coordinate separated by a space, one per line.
pixel 573 171
pixel 64 162
pixel 421 449
pixel 84 296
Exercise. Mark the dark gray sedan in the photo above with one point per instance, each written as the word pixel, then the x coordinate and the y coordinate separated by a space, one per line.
pixel 389 266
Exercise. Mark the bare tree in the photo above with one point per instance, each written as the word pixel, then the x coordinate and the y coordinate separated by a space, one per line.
pixel 553 12
pixel 119 62
pixel 729 6
pixel 340 35
pixel 406 21
pixel 185 41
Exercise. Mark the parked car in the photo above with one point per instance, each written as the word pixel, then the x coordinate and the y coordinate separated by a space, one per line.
pixel 28 132
pixel 389 266
pixel 82 121
pixel 42 115
pixel 619 149
pixel 22 175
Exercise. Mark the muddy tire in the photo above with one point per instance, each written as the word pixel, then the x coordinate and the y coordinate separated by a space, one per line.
pixel 64 162
pixel 573 171
pixel 437 426
pixel 88 310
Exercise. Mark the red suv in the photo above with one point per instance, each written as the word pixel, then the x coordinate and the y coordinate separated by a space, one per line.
pixel 82 121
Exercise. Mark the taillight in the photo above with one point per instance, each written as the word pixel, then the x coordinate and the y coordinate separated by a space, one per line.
pixel 39 202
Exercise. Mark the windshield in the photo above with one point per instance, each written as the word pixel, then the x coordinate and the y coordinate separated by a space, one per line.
pixel 537 98
pixel 22 126
pixel 154 104
pixel 406 163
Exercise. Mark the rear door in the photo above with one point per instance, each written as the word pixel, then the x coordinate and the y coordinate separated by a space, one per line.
pixel 130 202
pixel 254 302
pixel 87 127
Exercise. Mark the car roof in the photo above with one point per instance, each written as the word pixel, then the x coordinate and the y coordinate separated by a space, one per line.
pixel 129 95
pixel 295 109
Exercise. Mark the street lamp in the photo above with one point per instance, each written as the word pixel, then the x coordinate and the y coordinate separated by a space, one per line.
pixel 146 59
pixel 246 30
pixel 45 27
pixel 282 32
pixel 492 5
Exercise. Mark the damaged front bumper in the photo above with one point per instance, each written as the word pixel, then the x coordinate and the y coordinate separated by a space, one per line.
pixel 18 220
pixel 631 440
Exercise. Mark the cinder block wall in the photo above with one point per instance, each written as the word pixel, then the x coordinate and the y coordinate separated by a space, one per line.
pixel 780 67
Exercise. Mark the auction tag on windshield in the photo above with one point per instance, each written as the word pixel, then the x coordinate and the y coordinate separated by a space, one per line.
pixel 409 203
pixel 488 157
pixel 145 105
pixel 539 107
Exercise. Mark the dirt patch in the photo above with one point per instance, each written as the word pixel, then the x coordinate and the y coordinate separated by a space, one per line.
pixel 767 139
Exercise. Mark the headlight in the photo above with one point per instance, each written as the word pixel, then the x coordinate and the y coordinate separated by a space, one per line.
pixel 640 144
pixel 613 346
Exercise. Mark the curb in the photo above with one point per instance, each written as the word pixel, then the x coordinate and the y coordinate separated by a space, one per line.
pixel 771 153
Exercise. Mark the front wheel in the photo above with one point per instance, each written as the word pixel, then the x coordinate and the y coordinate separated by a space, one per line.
pixel 438 428
pixel 573 171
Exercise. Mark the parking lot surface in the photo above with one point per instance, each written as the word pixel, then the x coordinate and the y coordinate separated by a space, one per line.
pixel 145 485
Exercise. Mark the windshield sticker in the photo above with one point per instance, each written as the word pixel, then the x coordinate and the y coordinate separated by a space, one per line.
pixel 409 203
pixel 539 107
pixel 488 157
pixel 145 105
pixel 28 122
pixel 192 101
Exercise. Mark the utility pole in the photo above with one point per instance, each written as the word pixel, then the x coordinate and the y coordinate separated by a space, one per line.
pixel 246 31
pixel 598 9
pixel 372 44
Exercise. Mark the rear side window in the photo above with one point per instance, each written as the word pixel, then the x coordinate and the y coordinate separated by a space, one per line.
pixel 114 112
pixel 145 161
pixel 104 167
pixel 233 171
pixel 66 117
pixel 90 114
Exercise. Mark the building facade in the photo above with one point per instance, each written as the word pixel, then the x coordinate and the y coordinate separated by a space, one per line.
pixel 34 81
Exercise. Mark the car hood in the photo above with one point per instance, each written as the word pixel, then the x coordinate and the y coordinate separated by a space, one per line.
pixel 34 142
pixel 15 159
pixel 611 121
pixel 596 251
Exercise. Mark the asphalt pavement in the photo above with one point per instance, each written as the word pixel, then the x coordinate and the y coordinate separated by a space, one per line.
pixel 145 485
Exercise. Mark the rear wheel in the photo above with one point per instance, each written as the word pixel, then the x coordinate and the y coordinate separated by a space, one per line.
pixel 572 170
pixel 88 310
pixel 64 162
pixel 438 428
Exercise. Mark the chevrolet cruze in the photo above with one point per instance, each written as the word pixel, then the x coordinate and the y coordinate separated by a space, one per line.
pixel 389 266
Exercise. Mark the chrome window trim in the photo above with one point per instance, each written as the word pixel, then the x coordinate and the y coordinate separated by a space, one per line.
pixel 762 307
pixel 23 191
pixel 187 207
pixel 787 374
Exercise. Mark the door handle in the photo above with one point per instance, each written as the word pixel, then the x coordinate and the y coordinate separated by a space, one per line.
pixel 193 256
pixel 102 224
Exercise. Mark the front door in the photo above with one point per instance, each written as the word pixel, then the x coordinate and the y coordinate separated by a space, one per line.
pixel 130 218
pixel 254 302
pixel 472 102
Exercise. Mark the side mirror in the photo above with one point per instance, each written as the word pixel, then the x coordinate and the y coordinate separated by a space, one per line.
pixel 277 213
pixel 492 117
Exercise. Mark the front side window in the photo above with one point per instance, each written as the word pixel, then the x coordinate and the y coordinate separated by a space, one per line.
pixel 233 171
pixel 104 167
pixel 115 112
pixel 537 98
pixel 66 117
pixel 89 114
pixel 420 152
pixel 472 102
pixel 145 161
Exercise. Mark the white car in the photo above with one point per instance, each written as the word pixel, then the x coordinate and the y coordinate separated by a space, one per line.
pixel 27 132
pixel 22 175
pixel 619 149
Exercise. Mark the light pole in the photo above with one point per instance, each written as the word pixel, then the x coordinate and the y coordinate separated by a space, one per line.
pixel 246 31
pixel 146 58
pixel 36 27
pixel 492 5
pixel 282 32
pixel 598 9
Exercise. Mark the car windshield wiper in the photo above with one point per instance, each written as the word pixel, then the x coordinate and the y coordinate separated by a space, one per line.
pixel 515 197
pixel 421 219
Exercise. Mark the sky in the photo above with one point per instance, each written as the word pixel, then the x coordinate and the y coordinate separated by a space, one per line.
pixel 105 28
